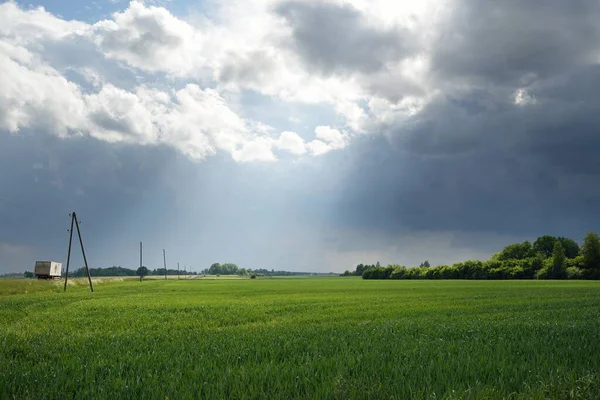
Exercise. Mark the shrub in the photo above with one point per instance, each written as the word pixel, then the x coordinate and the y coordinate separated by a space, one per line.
pixel 574 273
pixel 542 273
pixel 399 272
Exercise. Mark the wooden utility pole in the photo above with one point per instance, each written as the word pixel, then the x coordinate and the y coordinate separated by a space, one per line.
pixel 74 220
pixel 69 254
pixel 140 254
pixel 165 263
pixel 83 252
pixel 177 271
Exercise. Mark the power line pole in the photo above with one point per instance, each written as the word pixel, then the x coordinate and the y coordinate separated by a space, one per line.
pixel 177 271
pixel 69 253
pixel 140 254
pixel 165 263
pixel 83 252
pixel 74 219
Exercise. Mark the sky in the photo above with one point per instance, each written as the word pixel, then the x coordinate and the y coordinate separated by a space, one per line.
pixel 296 135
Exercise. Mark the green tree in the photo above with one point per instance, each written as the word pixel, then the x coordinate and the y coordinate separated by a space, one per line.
pixel 517 251
pixel 571 247
pixel 544 245
pixel 360 268
pixel 142 272
pixel 28 274
pixel 559 267
pixel 229 269
pixel 215 269
pixel 591 251
pixel 223 269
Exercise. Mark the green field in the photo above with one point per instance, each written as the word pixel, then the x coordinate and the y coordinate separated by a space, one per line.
pixel 300 338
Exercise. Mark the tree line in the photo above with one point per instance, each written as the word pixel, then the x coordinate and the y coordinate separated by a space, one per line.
pixel 117 271
pixel 548 257
pixel 232 269
pixel 214 269
pixel 120 271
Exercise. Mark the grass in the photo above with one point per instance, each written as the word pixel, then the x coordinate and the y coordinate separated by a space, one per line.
pixel 301 338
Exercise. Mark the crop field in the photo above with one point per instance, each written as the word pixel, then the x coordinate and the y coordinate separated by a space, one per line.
pixel 300 338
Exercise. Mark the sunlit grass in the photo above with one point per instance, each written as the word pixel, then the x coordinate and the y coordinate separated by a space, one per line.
pixel 302 338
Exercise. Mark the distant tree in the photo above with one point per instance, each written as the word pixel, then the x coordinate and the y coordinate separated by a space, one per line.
pixel 544 245
pixel 142 272
pixel 537 263
pixel 229 269
pixel 360 268
pixel 215 269
pixel 571 247
pixel 377 265
pixel 425 264
pixel 28 274
pixel 576 262
pixel 591 251
pixel 223 269
pixel 559 267
pixel 517 251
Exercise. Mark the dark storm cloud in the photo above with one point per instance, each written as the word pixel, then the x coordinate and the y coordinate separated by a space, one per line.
pixel 513 42
pixel 476 160
pixel 337 38
pixel 469 164
pixel 479 192
pixel 51 177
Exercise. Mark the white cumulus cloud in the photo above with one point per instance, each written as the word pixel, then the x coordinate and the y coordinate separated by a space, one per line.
pixel 292 142
pixel 150 38
pixel 327 139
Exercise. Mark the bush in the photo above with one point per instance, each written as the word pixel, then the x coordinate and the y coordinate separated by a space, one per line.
pixel 542 273
pixel 516 273
pixel 252 276
pixel 576 262
pixel 591 274
pixel 399 272
pixel 574 273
